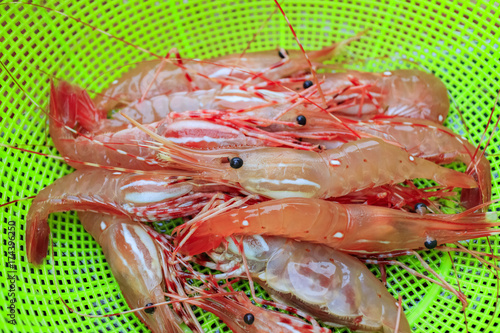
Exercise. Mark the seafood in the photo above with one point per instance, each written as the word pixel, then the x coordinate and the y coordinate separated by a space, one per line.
pixel 234 308
pixel 157 108
pixel 284 172
pixel 329 285
pixel 134 261
pixel 159 77
pixel 404 93
pixel 354 229
pixel 144 198
pixel 436 143
pixel 127 148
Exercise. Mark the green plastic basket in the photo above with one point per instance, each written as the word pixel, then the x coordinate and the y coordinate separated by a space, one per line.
pixel 457 41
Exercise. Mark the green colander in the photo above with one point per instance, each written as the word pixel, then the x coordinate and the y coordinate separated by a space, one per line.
pixel 457 41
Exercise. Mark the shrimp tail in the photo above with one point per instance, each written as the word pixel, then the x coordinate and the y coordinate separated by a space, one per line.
pixel 445 176
pixel 37 240
pixel 71 105
pixel 482 174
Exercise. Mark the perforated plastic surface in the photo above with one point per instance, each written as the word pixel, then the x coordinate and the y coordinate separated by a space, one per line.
pixel 457 41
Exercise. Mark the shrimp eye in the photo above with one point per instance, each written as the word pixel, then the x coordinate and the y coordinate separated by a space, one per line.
pixel 421 208
pixel 301 120
pixel 282 54
pixel 248 318
pixel 236 163
pixel 307 84
pixel 150 310
pixel 430 244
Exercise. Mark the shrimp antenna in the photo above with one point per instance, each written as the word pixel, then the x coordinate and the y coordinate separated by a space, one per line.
pixel 17 200
pixel 313 72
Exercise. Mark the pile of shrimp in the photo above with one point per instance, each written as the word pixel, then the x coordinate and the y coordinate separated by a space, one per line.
pixel 277 174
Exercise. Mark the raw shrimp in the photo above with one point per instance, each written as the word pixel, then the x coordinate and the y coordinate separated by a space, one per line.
pixel 404 93
pixel 329 285
pixel 70 105
pixel 157 77
pixel 283 172
pixel 234 308
pixel 420 138
pixel 134 261
pixel 241 316
pixel 145 198
pixel 436 143
pixel 354 229
pixel 268 103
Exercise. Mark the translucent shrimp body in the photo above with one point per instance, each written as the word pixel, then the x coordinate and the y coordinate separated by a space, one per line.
pixel 355 229
pixel 70 107
pixel 330 285
pixel 169 77
pixel 436 143
pixel 403 93
pixel 134 260
pixel 282 172
pixel 144 198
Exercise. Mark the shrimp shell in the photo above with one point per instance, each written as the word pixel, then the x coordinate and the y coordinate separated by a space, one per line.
pixel 134 261
pixel 328 284
pixel 355 229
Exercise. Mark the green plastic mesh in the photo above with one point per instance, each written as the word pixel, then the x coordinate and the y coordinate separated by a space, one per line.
pixel 457 41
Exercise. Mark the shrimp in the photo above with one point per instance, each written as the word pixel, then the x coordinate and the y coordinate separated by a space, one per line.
pixel 156 77
pixel 354 229
pixel 234 308
pixel 436 143
pixel 421 138
pixel 284 172
pixel 134 261
pixel 71 106
pixel 403 93
pixel 158 107
pixel 241 316
pixel 328 284
pixel 144 198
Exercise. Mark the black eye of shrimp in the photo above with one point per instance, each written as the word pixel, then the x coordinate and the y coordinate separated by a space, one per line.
pixel 236 163
pixel 420 208
pixel 150 310
pixel 281 54
pixel 430 244
pixel 307 84
pixel 301 120
pixel 248 318
pixel 420 205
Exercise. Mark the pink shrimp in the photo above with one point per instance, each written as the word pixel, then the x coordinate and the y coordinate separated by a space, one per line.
pixel 404 93
pixel 233 308
pixel 354 229
pixel 241 316
pixel 71 106
pixel 283 172
pixel 328 284
pixel 157 77
pixel 145 198
pixel 158 107
pixel 136 265
pixel 421 138
pixel 436 143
